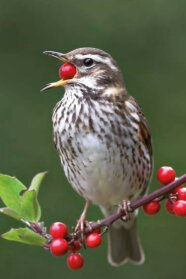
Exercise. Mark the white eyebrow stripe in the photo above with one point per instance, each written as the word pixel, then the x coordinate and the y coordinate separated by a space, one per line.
pixel 98 58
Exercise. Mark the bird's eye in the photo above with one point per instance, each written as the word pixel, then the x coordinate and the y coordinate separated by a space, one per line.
pixel 88 62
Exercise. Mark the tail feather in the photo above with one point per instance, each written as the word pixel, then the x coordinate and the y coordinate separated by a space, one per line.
pixel 124 245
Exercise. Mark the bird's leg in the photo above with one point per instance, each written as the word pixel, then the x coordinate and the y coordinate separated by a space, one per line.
pixel 125 209
pixel 82 223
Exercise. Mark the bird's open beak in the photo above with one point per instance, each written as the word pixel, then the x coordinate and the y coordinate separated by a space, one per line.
pixel 58 55
pixel 63 58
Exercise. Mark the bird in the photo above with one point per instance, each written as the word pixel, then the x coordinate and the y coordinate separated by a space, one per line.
pixel 104 144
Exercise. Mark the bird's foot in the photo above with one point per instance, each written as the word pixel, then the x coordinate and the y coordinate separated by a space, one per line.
pixel 82 225
pixel 125 209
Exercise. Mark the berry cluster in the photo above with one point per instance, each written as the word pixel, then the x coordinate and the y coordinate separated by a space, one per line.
pixel 61 243
pixel 175 201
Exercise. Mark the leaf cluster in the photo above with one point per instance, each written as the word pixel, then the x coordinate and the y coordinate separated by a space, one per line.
pixel 21 203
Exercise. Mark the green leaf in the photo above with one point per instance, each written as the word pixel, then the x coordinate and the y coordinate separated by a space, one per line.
pixel 30 208
pixel 8 211
pixel 21 206
pixel 10 189
pixel 36 181
pixel 24 235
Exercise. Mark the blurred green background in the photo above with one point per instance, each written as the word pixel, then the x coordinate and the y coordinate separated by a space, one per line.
pixel 148 39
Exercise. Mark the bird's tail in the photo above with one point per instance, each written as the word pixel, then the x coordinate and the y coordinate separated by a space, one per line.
pixel 124 243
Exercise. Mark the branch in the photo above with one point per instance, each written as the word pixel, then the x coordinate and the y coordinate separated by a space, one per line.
pixel 163 191
pixel 160 194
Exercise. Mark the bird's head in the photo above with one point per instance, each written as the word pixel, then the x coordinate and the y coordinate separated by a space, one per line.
pixel 94 69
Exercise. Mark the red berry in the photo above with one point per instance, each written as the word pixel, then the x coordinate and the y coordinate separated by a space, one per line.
pixel 181 194
pixel 98 230
pixel 166 175
pixel 58 230
pixel 152 207
pixel 75 261
pixel 75 246
pixel 169 207
pixel 179 208
pixel 175 190
pixel 59 247
pixel 67 71
pixel 93 239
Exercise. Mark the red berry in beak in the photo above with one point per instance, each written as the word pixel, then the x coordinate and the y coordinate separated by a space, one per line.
pixel 67 71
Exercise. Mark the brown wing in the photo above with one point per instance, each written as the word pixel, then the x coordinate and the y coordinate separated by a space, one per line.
pixel 144 131
pixel 144 136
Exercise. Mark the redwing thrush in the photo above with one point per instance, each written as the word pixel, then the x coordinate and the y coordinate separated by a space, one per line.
pixel 104 143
